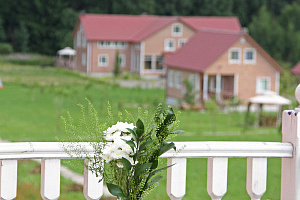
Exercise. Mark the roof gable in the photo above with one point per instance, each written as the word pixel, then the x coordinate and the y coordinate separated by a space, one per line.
pixel 202 49
pixel 207 45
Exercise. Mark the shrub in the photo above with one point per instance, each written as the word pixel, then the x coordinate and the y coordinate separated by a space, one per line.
pixel 5 48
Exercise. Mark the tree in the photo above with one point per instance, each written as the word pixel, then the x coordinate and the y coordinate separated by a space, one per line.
pixel 267 32
pixel 21 39
pixel 117 65
pixel 2 32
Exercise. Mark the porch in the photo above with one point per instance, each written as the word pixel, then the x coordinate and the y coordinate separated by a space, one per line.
pixel 220 87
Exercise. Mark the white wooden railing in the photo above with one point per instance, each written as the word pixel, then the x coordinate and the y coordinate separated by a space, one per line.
pixel 217 153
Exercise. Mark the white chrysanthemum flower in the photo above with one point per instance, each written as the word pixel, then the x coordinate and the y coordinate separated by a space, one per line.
pixel 120 164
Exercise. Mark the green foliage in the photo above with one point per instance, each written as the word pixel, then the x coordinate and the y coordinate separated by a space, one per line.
pixel 5 48
pixel 189 95
pixel 135 181
pixel 21 39
pixel 2 32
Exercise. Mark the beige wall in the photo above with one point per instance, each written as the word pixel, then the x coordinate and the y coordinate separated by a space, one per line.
pixel 111 54
pixel 247 73
pixel 154 45
pixel 179 93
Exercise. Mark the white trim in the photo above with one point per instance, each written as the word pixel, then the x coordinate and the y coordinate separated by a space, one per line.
pixel 205 87
pixel 103 64
pixel 277 82
pixel 253 61
pixel 112 45
pixel 175 33
pixel 233 61
pixel 258 89
pixel 166 46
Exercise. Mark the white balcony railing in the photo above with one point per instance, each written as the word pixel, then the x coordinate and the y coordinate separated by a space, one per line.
pixel 217 153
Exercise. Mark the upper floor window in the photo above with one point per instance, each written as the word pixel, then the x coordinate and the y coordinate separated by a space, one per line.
pixel 263 84
pixel 169 45
pixel 102 60
pixel 234 55
pixel 181 42
pixel 177 30
pixel 112 45
pixel 148 62
pixel 170 78
pixel 249 56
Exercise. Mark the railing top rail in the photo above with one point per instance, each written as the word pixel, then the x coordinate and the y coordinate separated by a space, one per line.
pixel 35 150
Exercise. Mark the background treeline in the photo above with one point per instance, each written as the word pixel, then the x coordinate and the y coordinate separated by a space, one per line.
pixel 44 26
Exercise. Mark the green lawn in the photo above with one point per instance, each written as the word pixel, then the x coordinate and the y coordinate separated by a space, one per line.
pixel 34 98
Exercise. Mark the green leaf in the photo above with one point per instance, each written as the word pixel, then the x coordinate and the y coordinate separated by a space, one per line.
pixel 166 148
pixel 133 132
pixel 127 165
pixel 142 169
pixel 155 179
pixel 159 170
pixel 115 190
pixel 177 132
pixel 154 164
pixel 140 128
pixel 130 143
pixel 145 144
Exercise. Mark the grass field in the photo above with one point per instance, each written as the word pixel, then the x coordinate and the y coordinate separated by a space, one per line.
pixel 34 98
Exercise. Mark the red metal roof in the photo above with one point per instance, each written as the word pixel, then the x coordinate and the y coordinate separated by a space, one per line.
pixel 296 69
pixel 202 49
pixel 224 23
pixel 135 28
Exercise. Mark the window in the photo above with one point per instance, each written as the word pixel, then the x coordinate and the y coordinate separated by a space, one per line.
pixel 122 60
pixel 83 59
pixel 177 30
pixel 169 45
pixel 178 80
pixel 101 44
pixel 78 39
pixel 181 42
pixel 112 45
pixel 148 62
pixel 102 60
pixel 263 84
pixel 250 56
pixel 192 80
pixel 170 78
pixel 159 61
pixel 235 56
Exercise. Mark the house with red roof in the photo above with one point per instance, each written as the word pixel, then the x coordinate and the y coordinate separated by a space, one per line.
pixel 222 64
pixel 142 42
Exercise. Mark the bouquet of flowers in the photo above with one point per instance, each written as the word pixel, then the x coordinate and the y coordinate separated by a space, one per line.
pixel 131 153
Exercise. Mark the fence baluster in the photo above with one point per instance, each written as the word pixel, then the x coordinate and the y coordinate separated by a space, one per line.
pixel 8 176
pixel 256 177
pixel 92 188
pixel 176 178
pixel 217 177
pixel 50 179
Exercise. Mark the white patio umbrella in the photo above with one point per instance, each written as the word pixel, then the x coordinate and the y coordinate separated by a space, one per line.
pixel 268 98
pixel 67 52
